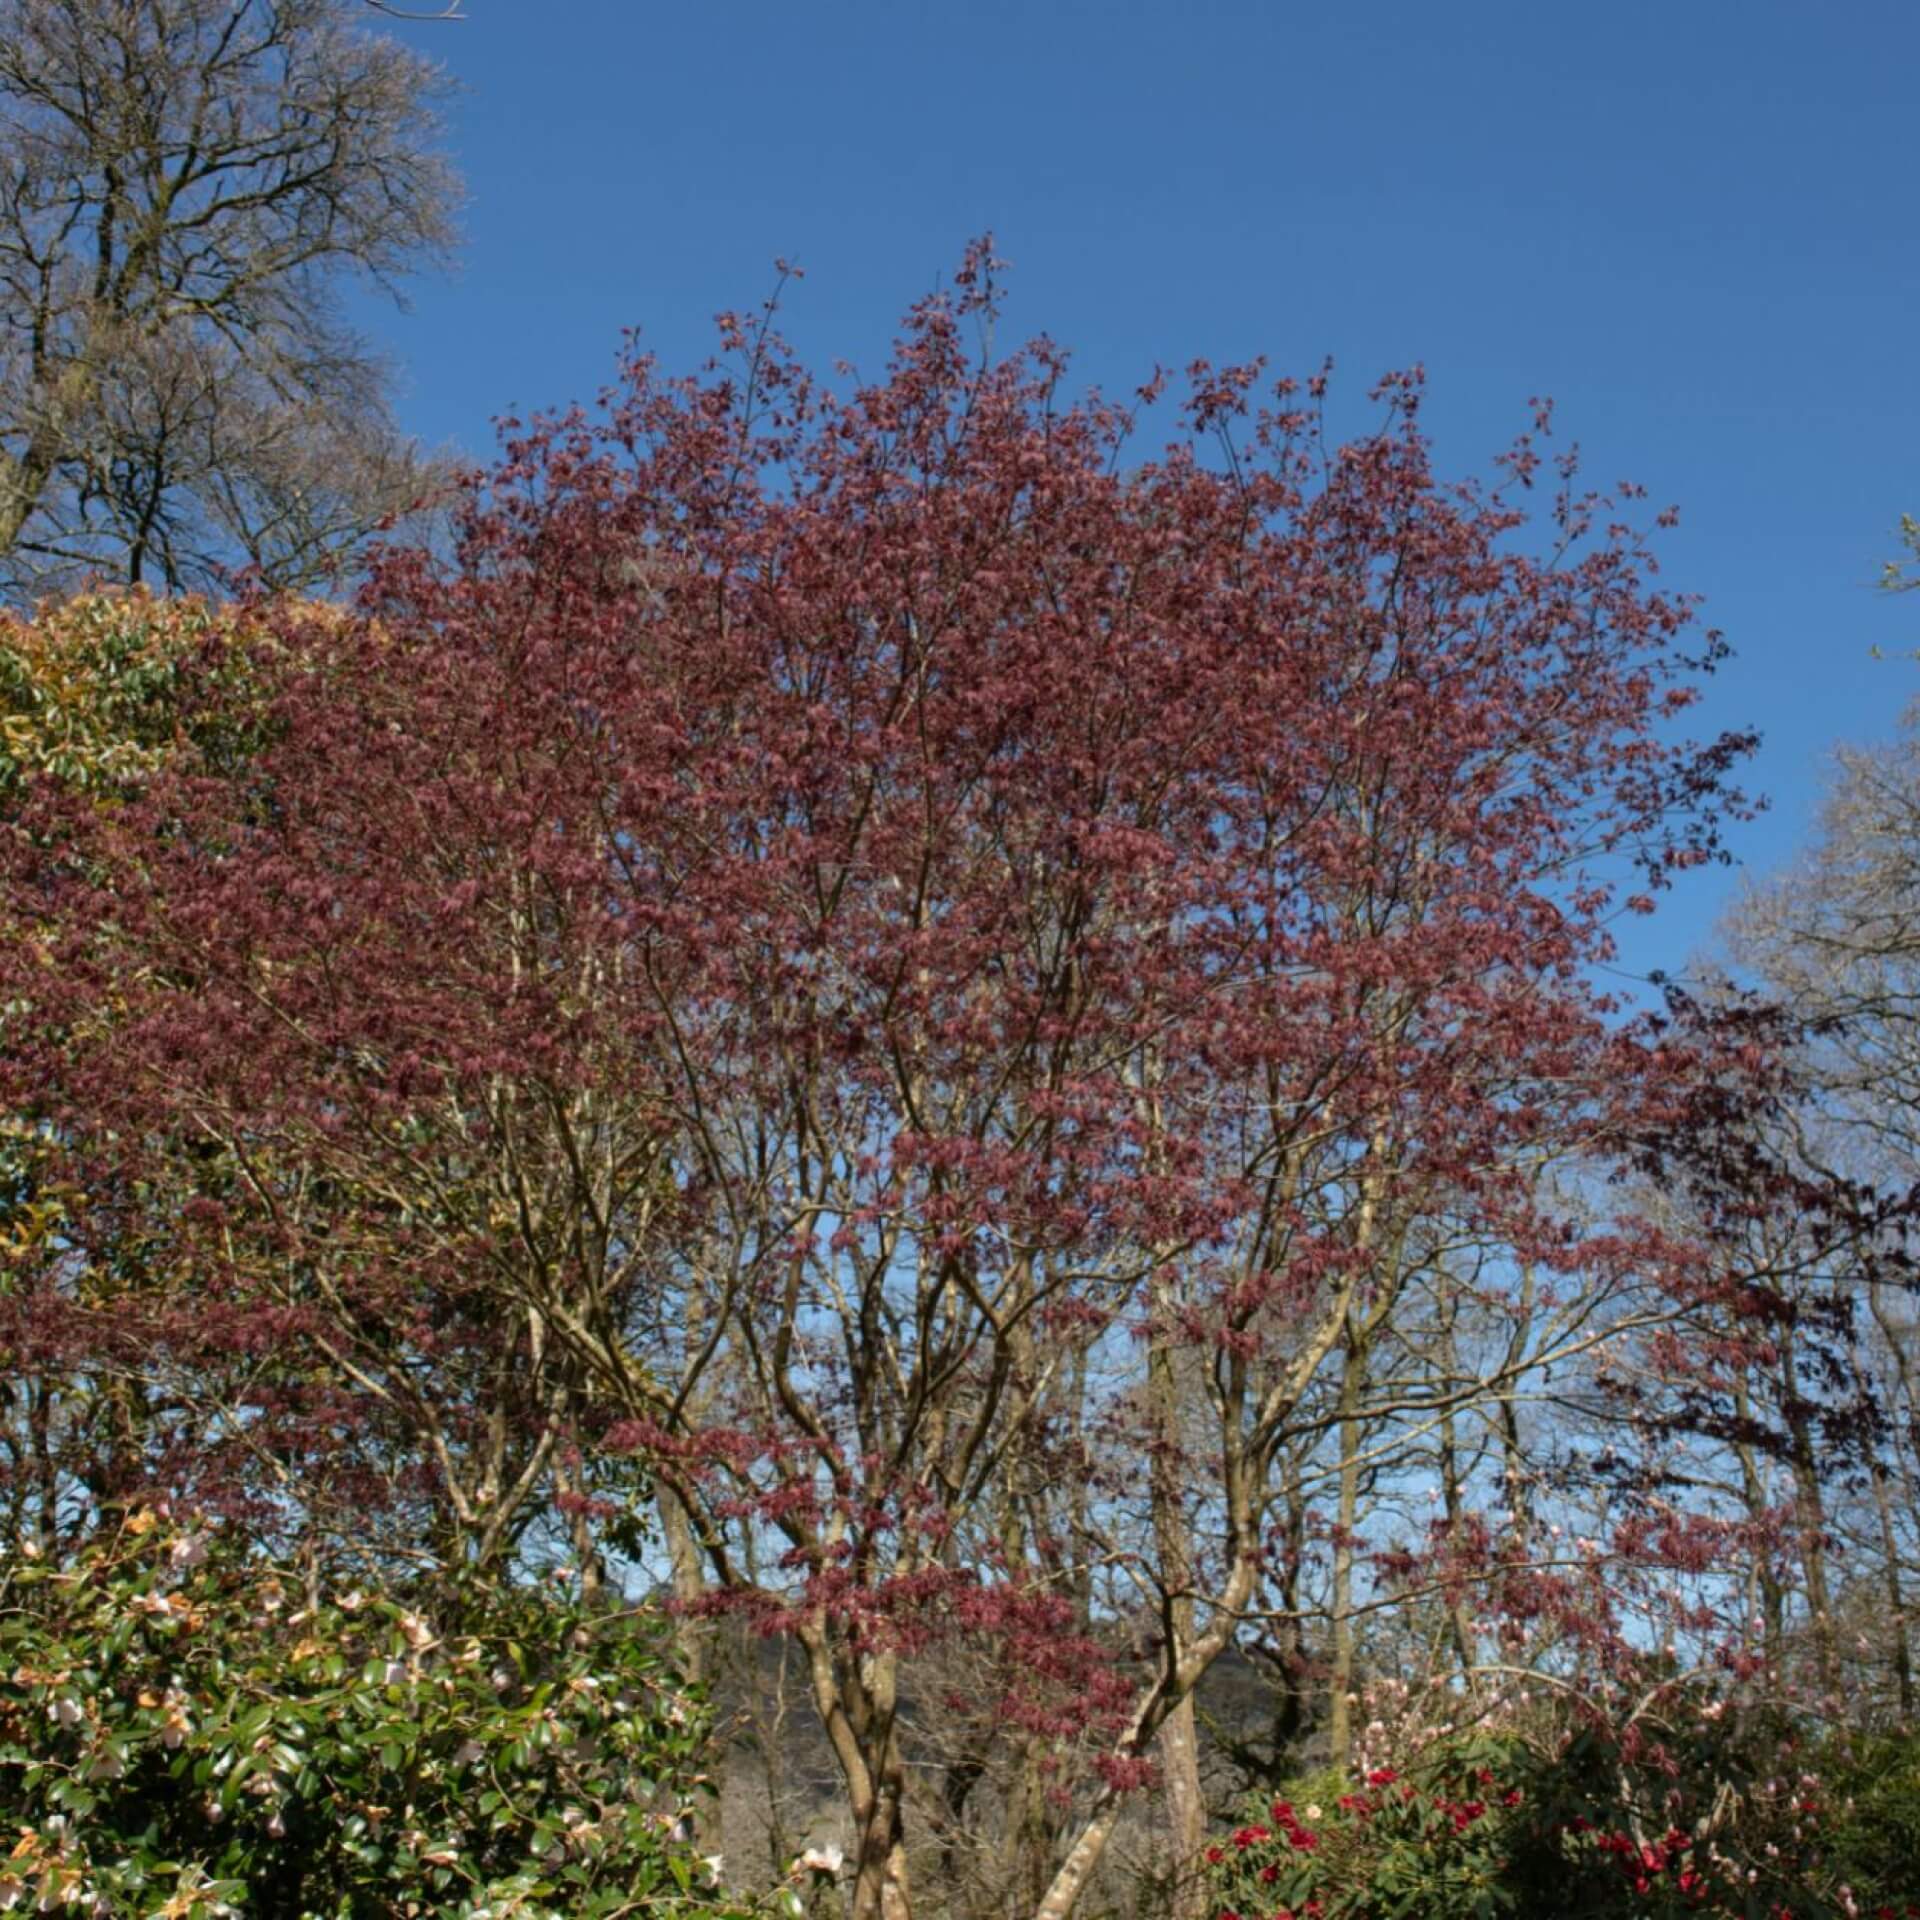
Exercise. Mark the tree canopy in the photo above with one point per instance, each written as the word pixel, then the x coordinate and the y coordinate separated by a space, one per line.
pixel 184 187
pixel 997 1021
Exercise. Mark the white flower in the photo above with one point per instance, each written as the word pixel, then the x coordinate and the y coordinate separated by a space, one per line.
pixel 827 1860
pixel 1314 1813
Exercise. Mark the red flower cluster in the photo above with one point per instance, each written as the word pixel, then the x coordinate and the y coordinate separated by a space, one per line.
pixel 1643 1864
pixel 1304 1839
pixel 1462 1813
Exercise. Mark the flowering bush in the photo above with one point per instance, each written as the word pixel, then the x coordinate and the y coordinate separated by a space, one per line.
pixel 1585 1828
pixel 184 1732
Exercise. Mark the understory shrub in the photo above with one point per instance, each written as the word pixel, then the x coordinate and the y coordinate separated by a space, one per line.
pixel 185 1730
pixel 1588 1826
pixel 1874 1836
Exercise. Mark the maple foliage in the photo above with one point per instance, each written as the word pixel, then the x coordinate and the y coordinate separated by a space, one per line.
pixel 840 921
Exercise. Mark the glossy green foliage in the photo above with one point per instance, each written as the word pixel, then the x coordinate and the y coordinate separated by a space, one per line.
pixel 100 691
pixel 184 1730
pixel 1587 1827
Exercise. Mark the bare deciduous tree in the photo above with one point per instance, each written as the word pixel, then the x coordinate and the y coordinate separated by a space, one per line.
pixel 184 185
pixel 1836 940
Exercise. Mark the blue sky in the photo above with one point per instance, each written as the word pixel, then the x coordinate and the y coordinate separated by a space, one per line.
pixel 1692 224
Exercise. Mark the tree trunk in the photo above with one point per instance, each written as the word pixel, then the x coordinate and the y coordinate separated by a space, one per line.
pixel 880 1888
pixel 1179 1739
pixel 683 1564
pixel 1896 1597
pixel 1766 1586
pixel 1032 1836
pixel 1186 1811
pixel 1810 1513
pixel 1290 1713
pixel 1883 1499
pixel 1074 1872
pixel 856 1697
pixel 22 484
pixel 1466 1647
pixel 1340 1672
pixel 690 1639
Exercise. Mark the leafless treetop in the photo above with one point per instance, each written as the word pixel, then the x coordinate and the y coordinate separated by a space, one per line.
pixel 184 184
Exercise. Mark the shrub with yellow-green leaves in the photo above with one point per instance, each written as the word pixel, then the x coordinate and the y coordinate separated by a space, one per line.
pixel 91 689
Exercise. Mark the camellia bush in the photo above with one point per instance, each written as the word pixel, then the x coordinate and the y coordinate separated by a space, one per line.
pixel 186 1730
pixel 1594 1825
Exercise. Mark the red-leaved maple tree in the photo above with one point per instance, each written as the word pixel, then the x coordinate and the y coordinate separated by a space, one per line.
pixel 929 979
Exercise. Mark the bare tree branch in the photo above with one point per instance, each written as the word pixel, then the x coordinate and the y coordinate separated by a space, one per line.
pixel 183 187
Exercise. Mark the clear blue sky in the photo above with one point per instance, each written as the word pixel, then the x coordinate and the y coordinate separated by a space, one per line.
pixel 1692 224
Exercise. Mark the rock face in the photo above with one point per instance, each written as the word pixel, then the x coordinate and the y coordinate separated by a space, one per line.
pixel 781 1790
